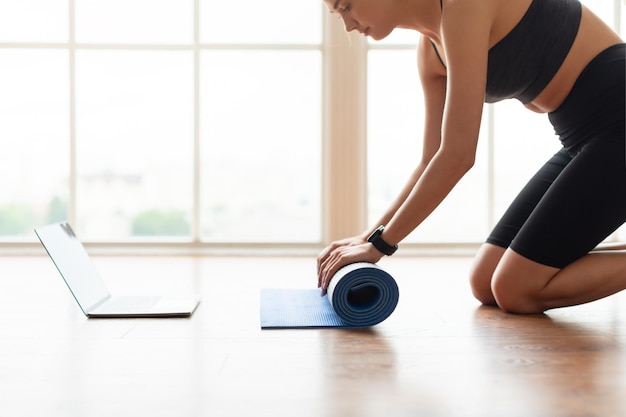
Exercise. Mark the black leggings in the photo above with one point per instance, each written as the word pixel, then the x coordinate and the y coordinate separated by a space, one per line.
pixel 578 197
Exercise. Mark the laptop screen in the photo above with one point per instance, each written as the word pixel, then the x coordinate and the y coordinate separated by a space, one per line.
pixel 72 261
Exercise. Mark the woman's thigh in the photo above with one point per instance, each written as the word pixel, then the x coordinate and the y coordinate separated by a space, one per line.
pixel 584 205
pixel 527 199
pixel 564 211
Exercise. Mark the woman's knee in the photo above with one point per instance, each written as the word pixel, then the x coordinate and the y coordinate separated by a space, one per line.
pixel 511 298
pixel 481 289
pixel 517 284
pixel 482 271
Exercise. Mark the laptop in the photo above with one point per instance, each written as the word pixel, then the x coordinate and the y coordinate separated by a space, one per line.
pixel 89 290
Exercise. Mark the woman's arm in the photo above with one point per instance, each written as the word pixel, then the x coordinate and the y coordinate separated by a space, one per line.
pixel 465 36
pixel 449 152
pixel 432 75
pixel 433 79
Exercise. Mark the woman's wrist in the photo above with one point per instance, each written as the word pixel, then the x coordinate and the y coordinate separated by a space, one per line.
pixel 378 241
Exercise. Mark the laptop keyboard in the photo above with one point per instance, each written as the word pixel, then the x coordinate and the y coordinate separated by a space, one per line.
pixel 128 304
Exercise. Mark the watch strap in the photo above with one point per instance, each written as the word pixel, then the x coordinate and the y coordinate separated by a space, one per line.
pixel 379 243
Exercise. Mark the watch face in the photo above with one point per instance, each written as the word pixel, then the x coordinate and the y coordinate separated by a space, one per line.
pixel 374 235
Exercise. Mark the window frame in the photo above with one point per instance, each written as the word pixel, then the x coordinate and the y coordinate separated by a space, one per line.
pixel 343 139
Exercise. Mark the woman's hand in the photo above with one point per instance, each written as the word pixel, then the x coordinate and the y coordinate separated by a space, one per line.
pixel 341 253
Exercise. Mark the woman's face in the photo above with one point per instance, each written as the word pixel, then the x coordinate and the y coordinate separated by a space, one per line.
pixel 369 17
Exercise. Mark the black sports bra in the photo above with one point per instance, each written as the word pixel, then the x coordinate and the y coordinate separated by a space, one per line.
pixel 523 63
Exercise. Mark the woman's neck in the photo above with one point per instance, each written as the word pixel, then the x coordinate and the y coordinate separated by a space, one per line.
pixel 423 16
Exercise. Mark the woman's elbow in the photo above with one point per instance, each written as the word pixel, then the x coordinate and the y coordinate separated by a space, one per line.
pixel 468 162
pixel 460 162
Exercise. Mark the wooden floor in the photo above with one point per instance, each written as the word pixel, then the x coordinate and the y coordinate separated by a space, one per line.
pixel 439 354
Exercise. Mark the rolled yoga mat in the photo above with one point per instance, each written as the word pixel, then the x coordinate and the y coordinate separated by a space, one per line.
pixel 359 295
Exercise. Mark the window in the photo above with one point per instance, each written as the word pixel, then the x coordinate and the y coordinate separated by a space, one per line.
pixel 208 122
pixel 162 119
pixel 260 153
pixel 34 132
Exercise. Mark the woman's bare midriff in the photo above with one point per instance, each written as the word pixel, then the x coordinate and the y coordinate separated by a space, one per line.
pixel 594 36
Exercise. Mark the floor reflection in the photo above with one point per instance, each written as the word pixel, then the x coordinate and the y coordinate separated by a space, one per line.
pixel 550 363
pixel 361 377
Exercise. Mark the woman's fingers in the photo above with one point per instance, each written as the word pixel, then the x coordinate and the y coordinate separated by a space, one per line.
pixel 332 258
pixel 326 255
pixel 328 268
pixel 337 259
pixel 343 256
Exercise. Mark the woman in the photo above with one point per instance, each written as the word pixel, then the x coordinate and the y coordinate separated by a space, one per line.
pixel 556 57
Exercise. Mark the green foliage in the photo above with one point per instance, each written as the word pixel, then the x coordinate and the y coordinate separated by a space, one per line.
pixel 57 211
pixel 16 220
pixel 158 223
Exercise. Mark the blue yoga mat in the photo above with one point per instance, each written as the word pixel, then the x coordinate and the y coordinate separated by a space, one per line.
pixel 359 295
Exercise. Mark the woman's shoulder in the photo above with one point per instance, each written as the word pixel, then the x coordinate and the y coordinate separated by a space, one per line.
pixel 430 59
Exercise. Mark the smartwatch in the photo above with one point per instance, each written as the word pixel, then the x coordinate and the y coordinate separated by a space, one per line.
pixel 378 242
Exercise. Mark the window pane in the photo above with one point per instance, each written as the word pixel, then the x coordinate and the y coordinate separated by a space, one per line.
pixel 34 136
pixel 255 21
pixel 261 137
pixel 34 20
pixel 524 141
pixel 605 9
pixel 134 21
pixel 395 132
pixel 134 143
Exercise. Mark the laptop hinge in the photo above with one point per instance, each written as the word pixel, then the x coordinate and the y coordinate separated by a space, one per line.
pixel 98 304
